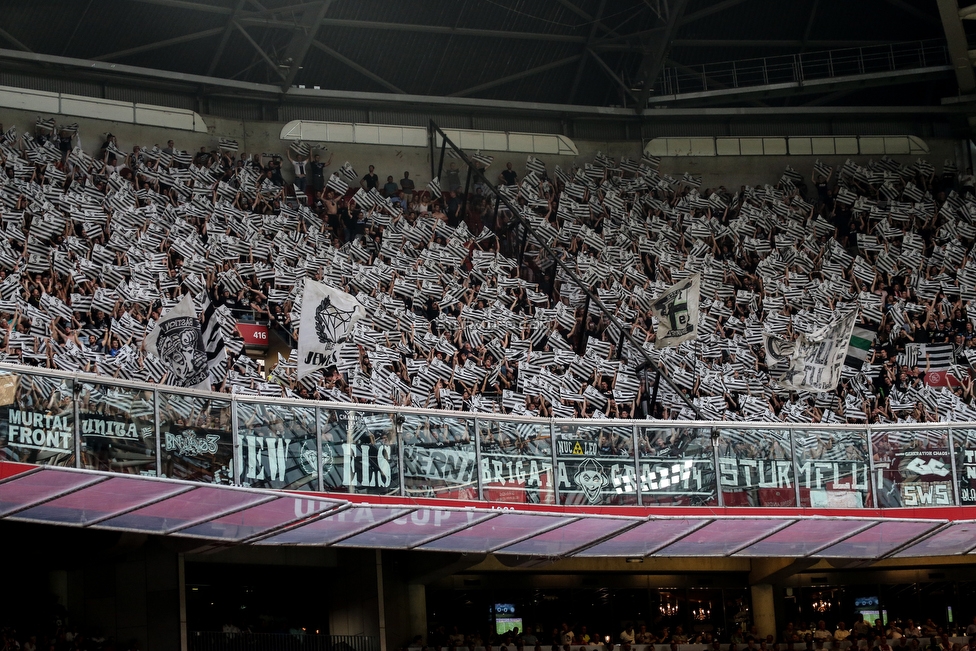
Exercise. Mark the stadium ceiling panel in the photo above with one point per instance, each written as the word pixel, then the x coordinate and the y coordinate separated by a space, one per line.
pixel 229 515
pixel 629 53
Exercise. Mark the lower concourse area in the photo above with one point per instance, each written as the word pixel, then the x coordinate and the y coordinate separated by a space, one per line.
pixel 86 589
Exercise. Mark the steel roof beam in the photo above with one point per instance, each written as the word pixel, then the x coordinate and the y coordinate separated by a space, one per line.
pixel 827 84
pixel 515 77
pixel 259 49
pixel 656 51
pixel 253 21
pixel 355 66
pixel 302 40
pixel 578 77
pixel 610 73
pixel 186 4
pixel 594 20
pixel 9 37
pixel 739 42
pixel 708 11
pixel 148 47
pixel 958 47
pixel 918 13
pixel 52 64
pixel 228 29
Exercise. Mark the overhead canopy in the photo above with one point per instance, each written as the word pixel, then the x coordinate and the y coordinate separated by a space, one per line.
pixel 225 514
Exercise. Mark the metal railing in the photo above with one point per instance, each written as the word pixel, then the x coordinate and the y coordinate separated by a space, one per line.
pixel 217 641
pixel 797 68
pixel 81 420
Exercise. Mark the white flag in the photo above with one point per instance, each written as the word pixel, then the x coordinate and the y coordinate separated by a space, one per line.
pixel 813 362
pixel 328 315
pixel 177 341
pixel 677 312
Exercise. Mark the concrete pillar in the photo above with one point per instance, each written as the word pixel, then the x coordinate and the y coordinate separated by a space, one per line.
pixel 353 609
pixel 417 609
pixel 764 609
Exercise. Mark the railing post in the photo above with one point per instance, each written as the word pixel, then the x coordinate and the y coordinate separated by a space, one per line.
pixel 860 60
pixel 637 472
pixel 891 56
pixel 236 458
pixel 952 464
pixel 765 72
pixel 830 63
pixel 554 473
pixel 796 468
pixel 477 459
pixel 319 430
pixel 159 434
pixel 76 412
pixel 718 475
pixel 735 76
pixel 873 481
pixel 398 430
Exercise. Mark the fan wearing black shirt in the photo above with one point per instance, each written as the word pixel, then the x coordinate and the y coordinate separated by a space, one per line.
pixel 370 180
pixel 508 175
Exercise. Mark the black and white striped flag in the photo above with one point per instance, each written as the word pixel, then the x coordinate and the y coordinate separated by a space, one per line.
pixel 484 159
pixel 435 187
pixel 347 171
pixel 533 164
pixel 337 184
pixel 227 144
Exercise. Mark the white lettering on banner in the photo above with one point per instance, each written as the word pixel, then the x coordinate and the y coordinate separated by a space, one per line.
pixel 378 476
pixel 761 473
pixel 277 452
pixel 566 447
pixel 926 494
pixel 39 431
pixel 188 442
pixel 817 473
pixel 93 426
pixel 506 471
pixel 967 485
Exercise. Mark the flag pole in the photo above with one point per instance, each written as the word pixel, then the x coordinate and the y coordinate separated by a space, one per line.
pixel 434 129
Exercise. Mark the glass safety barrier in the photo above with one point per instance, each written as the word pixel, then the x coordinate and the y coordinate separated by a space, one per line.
pixel 80 420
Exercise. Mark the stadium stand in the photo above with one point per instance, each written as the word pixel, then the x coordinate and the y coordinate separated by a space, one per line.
pixel 465 313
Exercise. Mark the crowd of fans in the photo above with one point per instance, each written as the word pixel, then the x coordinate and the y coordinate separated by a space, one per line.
pixel 900 635
pixel 897 635
pixel 465 312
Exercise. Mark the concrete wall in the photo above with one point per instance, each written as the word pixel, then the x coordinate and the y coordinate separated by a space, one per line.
pixel 262 137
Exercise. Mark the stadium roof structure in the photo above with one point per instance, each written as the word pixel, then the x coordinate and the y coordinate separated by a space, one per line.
pixel 223 515
pixel 636 56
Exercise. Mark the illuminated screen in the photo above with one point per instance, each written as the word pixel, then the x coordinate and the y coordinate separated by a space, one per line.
pixel 505 624
pixel 870 616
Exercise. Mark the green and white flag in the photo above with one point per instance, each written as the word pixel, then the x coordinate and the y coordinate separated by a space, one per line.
pixel 861 341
